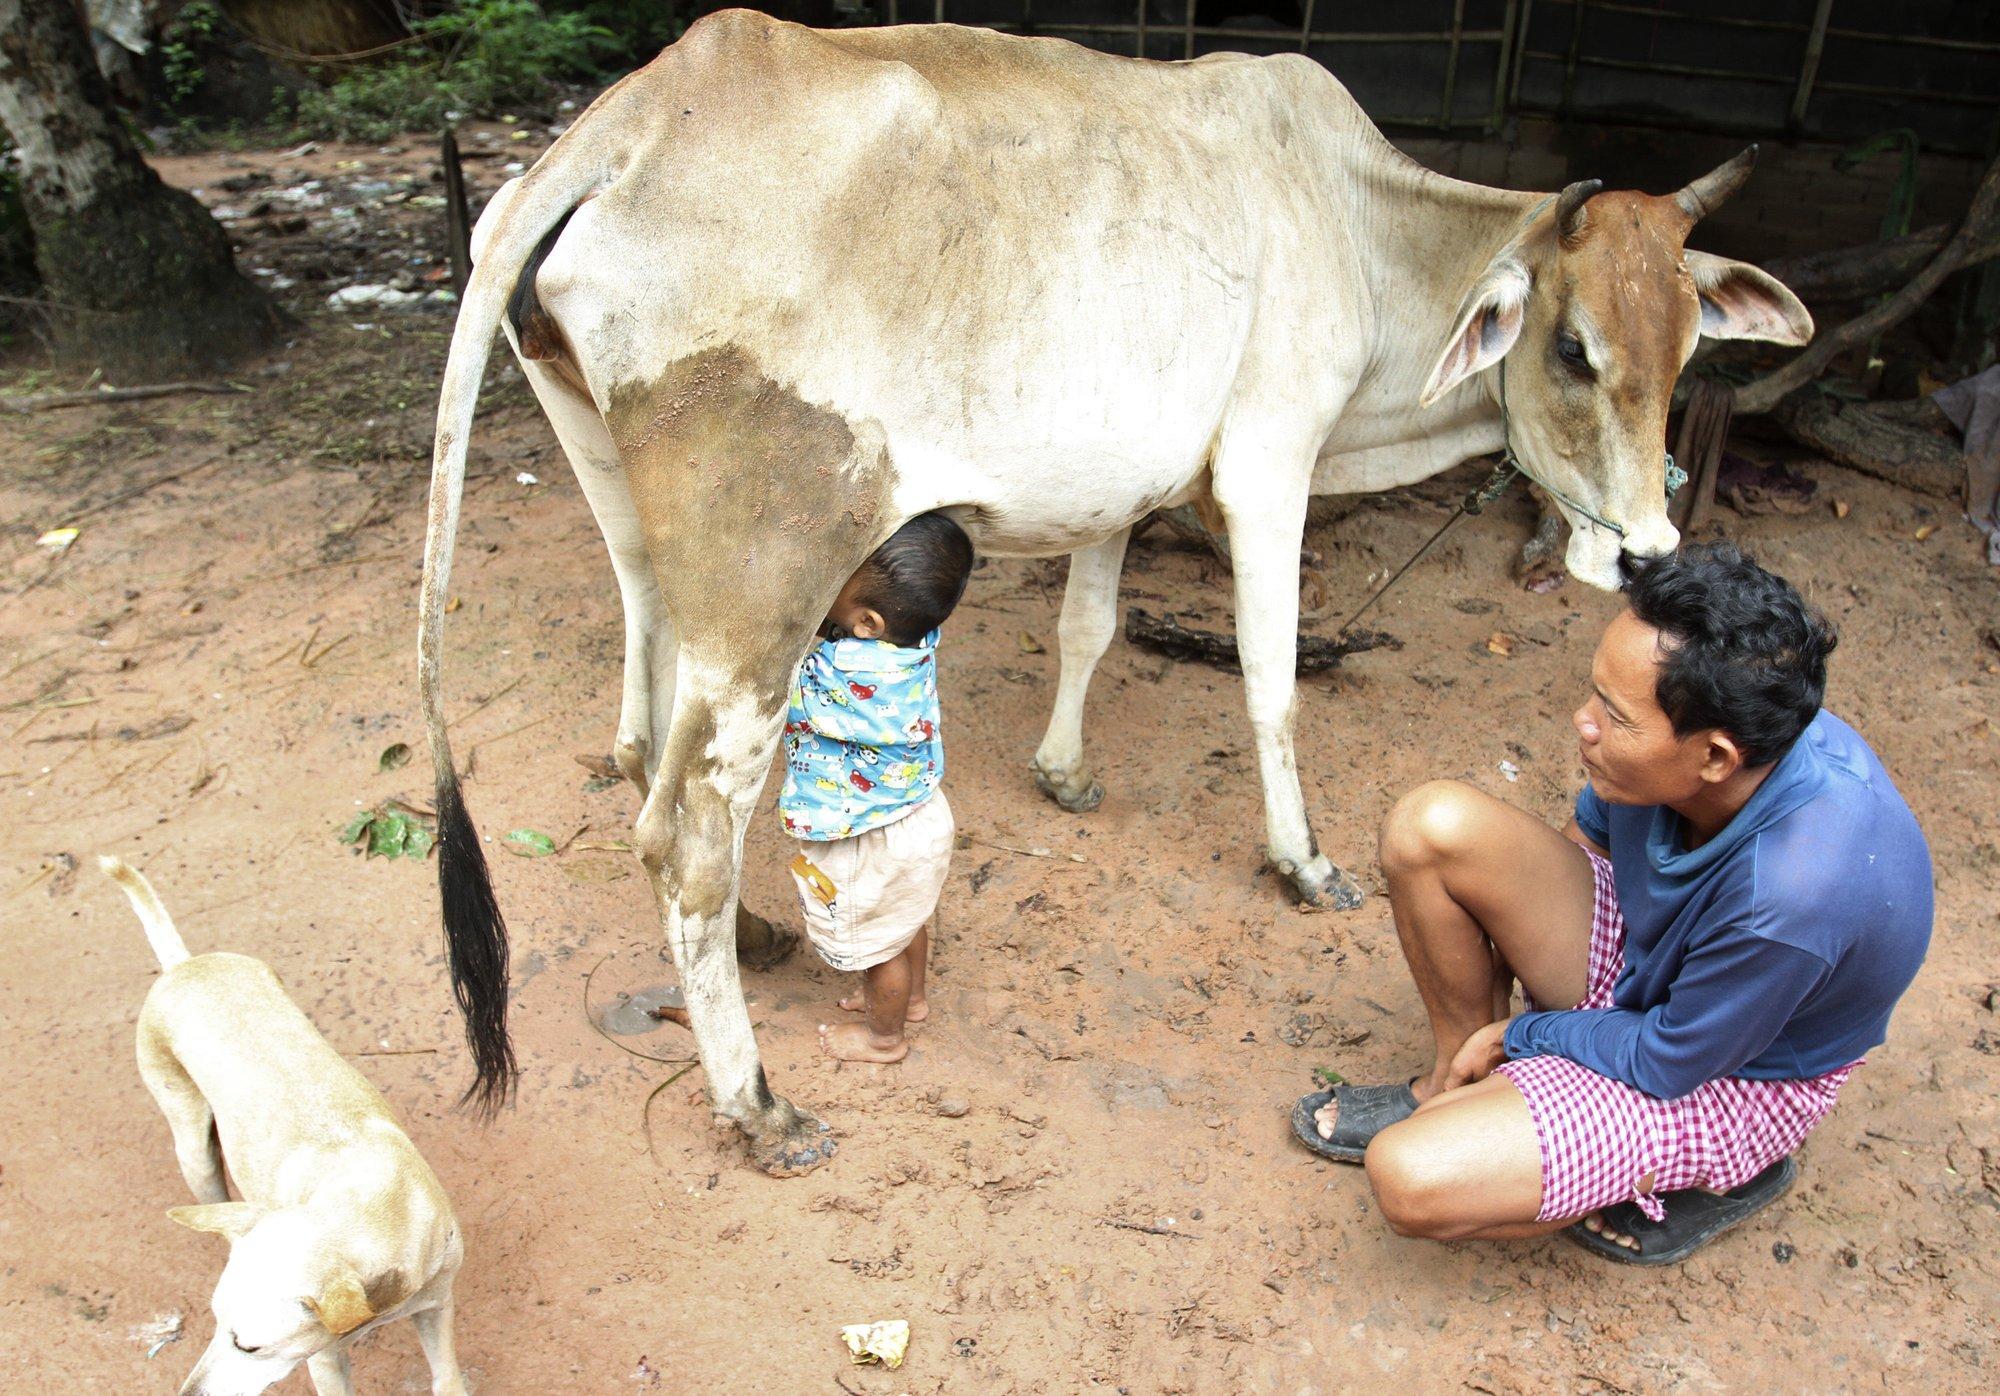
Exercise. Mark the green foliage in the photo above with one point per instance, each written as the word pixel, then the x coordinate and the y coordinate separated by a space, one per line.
pixel 195 33
pixel 390 830
pixel 478 57
pixel 530 843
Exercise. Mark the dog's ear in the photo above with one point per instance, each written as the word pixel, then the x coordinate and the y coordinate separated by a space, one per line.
pixel 343 1305
pixel 226 1219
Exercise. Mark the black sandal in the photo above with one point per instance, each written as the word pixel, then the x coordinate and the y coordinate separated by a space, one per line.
pixel 1365 1111
pixel 1694 1218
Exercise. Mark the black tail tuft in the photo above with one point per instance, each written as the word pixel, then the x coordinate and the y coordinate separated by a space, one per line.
pixel 475 940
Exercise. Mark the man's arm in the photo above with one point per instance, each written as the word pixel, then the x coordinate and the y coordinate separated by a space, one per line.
pixel 1730 1001
pixel 1573 831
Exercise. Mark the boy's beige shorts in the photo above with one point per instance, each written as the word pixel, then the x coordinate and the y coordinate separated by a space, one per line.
pixel 866 897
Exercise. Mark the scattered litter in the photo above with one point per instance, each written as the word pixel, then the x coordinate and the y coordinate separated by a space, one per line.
pixel 1926 531
pixel 159 1332
pixel 1500 643
pixel 883 1342
pixel 393 756
pixel 58 539
pixel 1028 643
pixel 379 297
pixel 524 478
pixel 1510 770
pixel 1841 508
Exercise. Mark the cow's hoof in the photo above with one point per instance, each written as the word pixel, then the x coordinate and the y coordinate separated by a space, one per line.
pixel 793 1143
pixel 1322 885
pixel 1077 791
pixel 760 945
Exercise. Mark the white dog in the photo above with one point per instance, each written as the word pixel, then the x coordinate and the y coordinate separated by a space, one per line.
pixel 343 1225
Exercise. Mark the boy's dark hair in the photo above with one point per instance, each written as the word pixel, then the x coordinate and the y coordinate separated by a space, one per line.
pixel 1743 650
pixel 915 579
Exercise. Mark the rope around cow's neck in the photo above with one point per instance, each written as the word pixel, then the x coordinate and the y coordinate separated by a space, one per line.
pixel 1496 485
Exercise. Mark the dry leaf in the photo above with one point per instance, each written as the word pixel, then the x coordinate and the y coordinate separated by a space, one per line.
pixel 452 605
pixel 1926 531
pixel 1028 643
pixel 1500 643
pixel 1841 508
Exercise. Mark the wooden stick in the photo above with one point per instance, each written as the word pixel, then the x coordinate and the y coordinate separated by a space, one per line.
pixel 1169 637
pixel 42 402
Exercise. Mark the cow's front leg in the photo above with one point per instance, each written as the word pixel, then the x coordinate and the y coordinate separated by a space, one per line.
pixel 719 745
pixel 1089 620
pixel 1262 494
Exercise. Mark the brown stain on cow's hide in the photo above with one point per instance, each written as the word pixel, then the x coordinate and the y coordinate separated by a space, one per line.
pixel 755 505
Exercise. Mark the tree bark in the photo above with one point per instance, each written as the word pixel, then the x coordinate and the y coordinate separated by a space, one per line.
pixel 140 278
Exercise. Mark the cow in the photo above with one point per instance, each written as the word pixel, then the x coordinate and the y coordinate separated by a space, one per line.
pixel 782 290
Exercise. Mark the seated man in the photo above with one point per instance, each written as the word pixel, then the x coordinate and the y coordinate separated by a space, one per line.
pixel 1707 951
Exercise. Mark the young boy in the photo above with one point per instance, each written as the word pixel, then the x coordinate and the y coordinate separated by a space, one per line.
pixel 862 764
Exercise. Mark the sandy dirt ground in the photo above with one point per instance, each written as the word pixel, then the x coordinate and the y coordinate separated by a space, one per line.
pixel 206 680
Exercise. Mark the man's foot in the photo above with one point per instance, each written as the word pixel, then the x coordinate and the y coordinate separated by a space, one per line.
pixel 854 1042
pixel 1694 1217
pixel 1339 1124
pixel 1326 1119
pixel 920 1009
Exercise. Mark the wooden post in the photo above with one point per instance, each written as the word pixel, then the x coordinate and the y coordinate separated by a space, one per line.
pixel 1698 451
pixel 458 220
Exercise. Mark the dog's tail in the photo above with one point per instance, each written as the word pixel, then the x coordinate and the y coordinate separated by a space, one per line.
pixel 166 941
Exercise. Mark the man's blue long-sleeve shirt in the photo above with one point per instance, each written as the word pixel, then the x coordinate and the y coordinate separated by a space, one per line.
pixel 1774 951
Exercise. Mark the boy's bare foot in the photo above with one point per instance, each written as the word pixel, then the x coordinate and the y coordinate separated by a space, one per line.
pixel 853 1042
pixel 920 1009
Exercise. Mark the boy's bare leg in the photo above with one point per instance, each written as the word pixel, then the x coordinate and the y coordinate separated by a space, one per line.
pixel 920 958
pixel 886 988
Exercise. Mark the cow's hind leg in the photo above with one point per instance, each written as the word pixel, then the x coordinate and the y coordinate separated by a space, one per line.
pixel 690 836
pixel 1263 500
pixel 756 507
pixel 1089 620
pixel 647 696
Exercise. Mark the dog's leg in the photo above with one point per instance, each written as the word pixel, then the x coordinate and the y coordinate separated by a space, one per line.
pixel 329 1371
pixel 440 1350
pixel 188 1116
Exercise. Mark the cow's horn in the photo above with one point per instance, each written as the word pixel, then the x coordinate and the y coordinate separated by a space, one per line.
pixel 1569 207
pixel 1709 193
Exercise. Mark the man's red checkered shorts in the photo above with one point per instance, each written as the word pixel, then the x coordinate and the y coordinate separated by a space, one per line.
pixel 1602 1139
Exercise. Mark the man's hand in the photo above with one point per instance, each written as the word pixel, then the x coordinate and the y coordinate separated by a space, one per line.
pixel 1476 1059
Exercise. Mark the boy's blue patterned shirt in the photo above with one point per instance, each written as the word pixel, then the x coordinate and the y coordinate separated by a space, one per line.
pixel 861 737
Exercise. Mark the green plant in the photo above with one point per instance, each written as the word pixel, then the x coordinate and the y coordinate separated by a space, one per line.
pixel 481 56
pixel 184 49
pixel 390 830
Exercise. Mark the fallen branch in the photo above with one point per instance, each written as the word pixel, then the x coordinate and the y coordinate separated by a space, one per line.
pixel 1168 636
pixel 1981 226
pixel 43 402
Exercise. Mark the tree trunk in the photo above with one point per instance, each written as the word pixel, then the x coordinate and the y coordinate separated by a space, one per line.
pixel 140 278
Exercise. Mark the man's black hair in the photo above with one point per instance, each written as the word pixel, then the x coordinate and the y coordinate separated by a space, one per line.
pixel 1743 651
pixel 915 579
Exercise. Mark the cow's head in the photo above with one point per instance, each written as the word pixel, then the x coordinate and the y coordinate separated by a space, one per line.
pixel 1593 310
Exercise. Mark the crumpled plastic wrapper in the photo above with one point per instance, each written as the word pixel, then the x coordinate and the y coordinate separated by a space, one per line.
pixel 883 1342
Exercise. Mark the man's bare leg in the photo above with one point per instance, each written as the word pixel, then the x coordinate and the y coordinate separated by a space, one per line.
pixel 1481 892
pixel 920 1006
pixel 886 989
pixel 1466 1166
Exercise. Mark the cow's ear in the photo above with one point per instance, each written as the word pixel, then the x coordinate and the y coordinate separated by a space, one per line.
pixel 1488 323
pixel 1739 301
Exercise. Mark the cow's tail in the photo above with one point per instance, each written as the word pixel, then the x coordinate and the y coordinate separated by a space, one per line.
pixel 160 932
pixel 580 163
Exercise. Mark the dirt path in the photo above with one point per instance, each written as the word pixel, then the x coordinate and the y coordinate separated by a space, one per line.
pixel 206 683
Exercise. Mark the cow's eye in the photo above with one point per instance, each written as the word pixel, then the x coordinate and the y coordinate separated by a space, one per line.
pixel 1570 349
